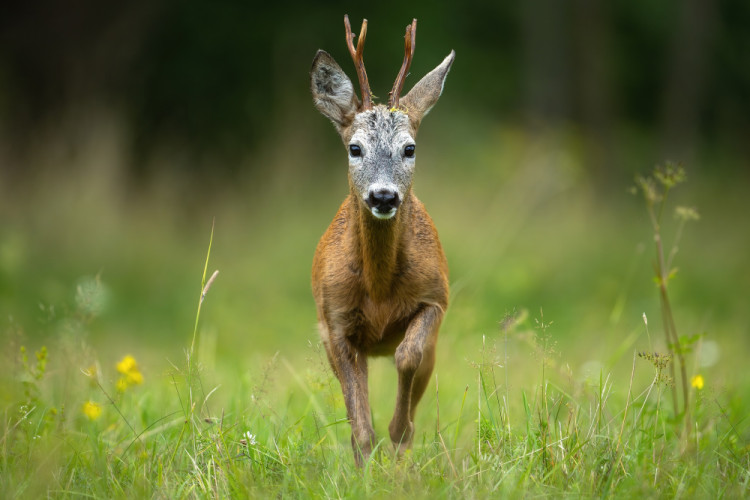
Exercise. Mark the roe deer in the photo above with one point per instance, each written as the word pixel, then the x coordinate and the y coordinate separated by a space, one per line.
pixel 379 277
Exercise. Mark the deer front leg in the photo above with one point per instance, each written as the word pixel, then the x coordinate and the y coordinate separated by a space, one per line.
pixel 415 358
pixel 350 367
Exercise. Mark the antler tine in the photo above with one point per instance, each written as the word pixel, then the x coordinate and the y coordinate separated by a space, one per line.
pixel 359 63
pixel 409 43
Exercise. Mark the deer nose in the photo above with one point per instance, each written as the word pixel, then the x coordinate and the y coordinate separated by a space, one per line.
pixel 383 200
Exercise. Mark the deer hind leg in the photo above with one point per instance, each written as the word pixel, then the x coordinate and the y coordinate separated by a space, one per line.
pixel 415 358
pixel 350 368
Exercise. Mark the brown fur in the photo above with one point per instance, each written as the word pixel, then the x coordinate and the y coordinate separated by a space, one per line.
pixel 380 285
pixel 381 288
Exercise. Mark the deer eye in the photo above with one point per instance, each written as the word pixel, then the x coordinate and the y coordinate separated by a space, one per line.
pixel 409 150
pixel 355 150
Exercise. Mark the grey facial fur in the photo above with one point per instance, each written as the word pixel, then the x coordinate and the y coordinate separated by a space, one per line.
pixel 381 175
pixel 382 136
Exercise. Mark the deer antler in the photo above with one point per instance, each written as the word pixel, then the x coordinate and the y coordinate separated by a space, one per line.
pixel 359 63
pixel 398 86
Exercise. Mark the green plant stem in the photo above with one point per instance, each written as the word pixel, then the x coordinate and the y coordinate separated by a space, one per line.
pixel 669 320
pixel 506 399
pixel 203 290
pixel 458 421
pixel 670 329
pixel 664 300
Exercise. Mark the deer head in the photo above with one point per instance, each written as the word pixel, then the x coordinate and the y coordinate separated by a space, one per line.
pixel 380 139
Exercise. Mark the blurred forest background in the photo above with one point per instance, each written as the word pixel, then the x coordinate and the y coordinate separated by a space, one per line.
pixel 126 127
pixel 213 82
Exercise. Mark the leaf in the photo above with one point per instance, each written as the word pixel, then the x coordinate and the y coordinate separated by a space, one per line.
pixel 692 339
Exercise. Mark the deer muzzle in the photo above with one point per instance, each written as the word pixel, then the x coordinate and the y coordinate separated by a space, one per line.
pixel 383 201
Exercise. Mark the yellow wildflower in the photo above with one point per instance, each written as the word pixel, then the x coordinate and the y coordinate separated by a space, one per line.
pixel 697 382
pixel 92 410
pixel 127 365
pixel 130 373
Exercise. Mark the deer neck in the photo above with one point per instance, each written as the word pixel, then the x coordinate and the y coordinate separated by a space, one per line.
pixel 381 244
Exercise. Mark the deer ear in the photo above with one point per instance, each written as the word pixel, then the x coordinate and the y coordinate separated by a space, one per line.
pixel 333 93
pixel 426 92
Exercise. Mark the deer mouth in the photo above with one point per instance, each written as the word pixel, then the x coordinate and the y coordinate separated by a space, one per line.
pixel 383 215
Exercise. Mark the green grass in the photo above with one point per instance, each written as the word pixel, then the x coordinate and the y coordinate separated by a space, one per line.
pixel 600 437
pixel 538 388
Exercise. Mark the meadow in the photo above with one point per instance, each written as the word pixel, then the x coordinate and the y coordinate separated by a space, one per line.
pixel 125 376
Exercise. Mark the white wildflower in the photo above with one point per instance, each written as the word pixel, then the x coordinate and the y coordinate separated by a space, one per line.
pixel 249 439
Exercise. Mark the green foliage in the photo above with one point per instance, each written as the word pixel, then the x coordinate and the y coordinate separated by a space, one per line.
pixel 239 401
pixel 655 190
pixel 32 374
pixel 555 444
